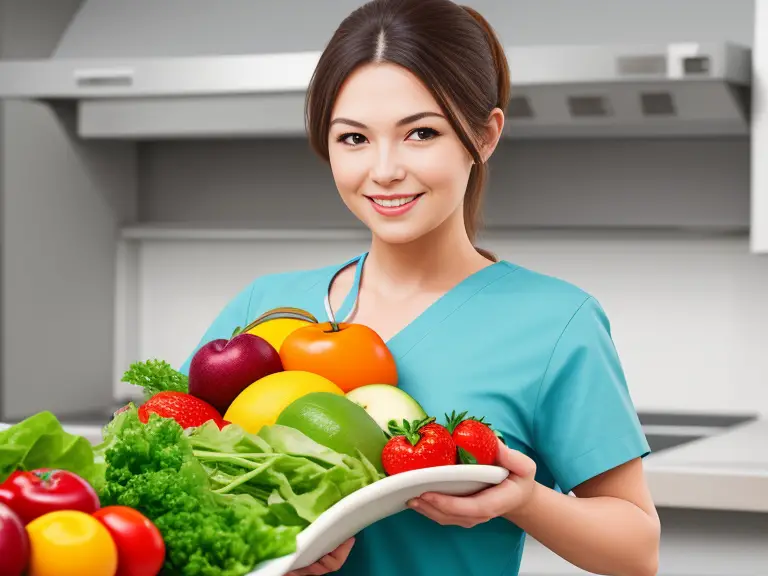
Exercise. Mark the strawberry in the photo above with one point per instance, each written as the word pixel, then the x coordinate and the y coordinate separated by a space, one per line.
pixel 476 441
pixel 417 444
pixel 186 409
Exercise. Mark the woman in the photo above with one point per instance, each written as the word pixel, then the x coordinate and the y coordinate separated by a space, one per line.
pixel 407 105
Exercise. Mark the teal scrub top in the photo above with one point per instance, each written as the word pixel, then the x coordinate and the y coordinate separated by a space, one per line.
pixel 531 353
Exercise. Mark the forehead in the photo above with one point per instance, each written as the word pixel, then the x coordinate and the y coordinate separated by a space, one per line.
pixel 382 92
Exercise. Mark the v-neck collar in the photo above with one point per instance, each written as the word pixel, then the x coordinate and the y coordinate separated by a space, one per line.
pixel 413 332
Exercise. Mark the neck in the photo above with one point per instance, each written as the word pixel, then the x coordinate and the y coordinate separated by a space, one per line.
pixel 436 261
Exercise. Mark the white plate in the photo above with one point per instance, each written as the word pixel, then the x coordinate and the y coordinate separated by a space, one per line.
pixel 374 502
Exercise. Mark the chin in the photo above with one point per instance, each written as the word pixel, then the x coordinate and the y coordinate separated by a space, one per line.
pixel 398 232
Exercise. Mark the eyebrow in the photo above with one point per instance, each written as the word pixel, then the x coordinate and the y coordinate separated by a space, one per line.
pixel 407 120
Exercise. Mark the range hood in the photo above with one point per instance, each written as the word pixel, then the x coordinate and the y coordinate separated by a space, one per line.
pixel 144 70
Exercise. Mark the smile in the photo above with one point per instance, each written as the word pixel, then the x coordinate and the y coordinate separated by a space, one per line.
pixel 394 206
pixel 395 202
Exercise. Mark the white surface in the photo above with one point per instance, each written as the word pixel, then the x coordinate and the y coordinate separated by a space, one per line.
pixel 727 471
pixel 760 130
pixel 688 314
pixel 374 502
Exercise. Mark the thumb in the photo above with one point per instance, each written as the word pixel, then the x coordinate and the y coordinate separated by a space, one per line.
pixel 515 461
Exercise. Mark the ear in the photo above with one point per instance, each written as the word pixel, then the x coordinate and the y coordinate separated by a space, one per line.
pixel 493 130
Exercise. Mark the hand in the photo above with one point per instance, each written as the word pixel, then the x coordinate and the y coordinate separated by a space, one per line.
pixel 505 498
pixel 327 564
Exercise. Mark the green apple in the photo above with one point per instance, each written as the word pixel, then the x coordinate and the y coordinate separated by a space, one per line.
pixel 385 402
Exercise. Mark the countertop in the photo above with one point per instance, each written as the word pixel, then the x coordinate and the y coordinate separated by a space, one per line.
pixel 726 471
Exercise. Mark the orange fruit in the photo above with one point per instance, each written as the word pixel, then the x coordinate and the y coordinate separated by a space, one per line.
pixel 350 355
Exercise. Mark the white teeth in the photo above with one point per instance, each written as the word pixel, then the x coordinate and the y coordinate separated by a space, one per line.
pixel 393 203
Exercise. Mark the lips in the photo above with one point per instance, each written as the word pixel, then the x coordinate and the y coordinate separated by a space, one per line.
pixel 393 205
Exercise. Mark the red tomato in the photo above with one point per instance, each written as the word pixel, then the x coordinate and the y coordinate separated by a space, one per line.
pixel 32 494
pixel 140 546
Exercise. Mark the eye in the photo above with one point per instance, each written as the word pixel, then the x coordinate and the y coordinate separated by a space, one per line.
pixel 352 139
pixel 424 134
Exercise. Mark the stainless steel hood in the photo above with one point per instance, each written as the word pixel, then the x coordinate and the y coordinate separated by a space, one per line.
pixel 143 71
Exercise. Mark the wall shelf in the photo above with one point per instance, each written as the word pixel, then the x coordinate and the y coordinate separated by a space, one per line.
pixel 237 232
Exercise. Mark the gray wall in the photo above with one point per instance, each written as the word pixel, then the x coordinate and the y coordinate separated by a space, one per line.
pixel 276 183
pixel 62 202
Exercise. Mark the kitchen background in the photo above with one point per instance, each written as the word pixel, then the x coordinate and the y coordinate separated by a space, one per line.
pixel 122 238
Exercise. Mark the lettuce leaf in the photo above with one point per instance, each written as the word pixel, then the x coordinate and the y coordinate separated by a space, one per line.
pixel 41 442
pixel 295 477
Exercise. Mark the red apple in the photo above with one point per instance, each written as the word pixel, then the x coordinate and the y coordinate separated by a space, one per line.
pixel 223 368
pixel 14 543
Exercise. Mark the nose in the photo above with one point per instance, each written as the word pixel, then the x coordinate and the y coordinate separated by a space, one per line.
pixel 387 168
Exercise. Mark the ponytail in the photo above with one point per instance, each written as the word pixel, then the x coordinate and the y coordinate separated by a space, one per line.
pixel 478 176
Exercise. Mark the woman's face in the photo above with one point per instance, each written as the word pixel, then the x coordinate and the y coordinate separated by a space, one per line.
pixel 397 163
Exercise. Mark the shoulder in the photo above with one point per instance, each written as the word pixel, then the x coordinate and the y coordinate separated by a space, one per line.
pixel 543 295
pixel 527 310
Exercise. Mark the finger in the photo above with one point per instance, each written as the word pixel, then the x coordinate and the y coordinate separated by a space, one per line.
pixel 315 569
pixel 484 504
pixel 433 513
pixel 344 549
pixel 332 561
pixel 335 560
pixel 514 461
pixel 341 553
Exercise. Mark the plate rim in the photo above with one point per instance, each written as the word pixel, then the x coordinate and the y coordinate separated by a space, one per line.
pixel 482 473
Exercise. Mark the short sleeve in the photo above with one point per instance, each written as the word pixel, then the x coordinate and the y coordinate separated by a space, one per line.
pixel 234 314
pixel 585 422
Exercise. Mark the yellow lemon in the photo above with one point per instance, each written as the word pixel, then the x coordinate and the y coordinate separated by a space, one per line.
pixel 275 325
pixel 262 402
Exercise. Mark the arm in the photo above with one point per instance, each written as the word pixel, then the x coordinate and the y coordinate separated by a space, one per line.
pixel 611 527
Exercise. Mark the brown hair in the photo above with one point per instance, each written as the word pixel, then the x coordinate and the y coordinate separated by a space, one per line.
pixel 451 48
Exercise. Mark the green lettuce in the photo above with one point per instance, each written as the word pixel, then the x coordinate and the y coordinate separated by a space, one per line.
pixel 294 476
pixel 41 442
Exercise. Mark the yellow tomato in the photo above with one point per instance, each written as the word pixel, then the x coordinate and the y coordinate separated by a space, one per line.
pixel 262 402
pixel 70 543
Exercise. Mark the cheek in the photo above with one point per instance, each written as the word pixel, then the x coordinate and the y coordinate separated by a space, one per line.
pixel 349 171
pixel 443 169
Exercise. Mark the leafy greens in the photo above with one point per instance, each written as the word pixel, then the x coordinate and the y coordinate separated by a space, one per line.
pixel 151 468
pixel 224 500
pixel 41 442
pixel 156 376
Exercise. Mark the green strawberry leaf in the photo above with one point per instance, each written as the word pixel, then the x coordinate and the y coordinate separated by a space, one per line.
pixel 466 457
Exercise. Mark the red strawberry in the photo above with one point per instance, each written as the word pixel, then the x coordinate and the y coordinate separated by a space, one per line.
pixel 476 441
pixel 417 444
pixel 189 411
